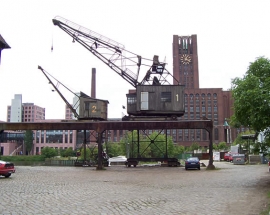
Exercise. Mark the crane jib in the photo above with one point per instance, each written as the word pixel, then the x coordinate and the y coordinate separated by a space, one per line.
pixel 117 57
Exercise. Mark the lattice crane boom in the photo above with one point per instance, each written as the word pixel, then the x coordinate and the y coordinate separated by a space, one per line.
pixel 114 55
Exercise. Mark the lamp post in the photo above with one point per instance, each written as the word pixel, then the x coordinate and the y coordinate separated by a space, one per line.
pixel 227 131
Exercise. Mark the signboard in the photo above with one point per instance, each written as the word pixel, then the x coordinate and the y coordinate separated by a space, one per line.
pixel 216 156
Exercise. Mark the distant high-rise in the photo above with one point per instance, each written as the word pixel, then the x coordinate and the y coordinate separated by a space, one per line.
pixel 15 114
pixel 24 112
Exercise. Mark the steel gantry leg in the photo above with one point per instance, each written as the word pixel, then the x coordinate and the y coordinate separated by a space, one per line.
pixel 100 157
pixel 210 164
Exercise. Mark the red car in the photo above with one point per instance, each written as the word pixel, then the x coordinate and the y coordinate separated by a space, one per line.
pixel 6 168
pixel 227 156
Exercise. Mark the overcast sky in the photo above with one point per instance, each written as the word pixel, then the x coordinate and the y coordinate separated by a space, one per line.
pixel 230 35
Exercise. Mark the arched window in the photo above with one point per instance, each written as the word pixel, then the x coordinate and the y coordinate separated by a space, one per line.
pixel 191 98
pixel 203 96
pixel 186 96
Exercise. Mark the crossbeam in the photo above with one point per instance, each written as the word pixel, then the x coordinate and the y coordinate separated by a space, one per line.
pixel 101 126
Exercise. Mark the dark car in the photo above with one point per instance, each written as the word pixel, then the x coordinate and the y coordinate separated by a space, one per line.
pixel 6 168
pixel 193 163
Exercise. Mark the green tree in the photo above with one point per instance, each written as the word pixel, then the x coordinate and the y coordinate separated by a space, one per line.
pixel 244 143
pixel 251 96
pixel 48 152
pixel 28 141
pixel 262 147
pixel 222 146
pixel 194 146
pixel 215 146
pixel 178 150
pixel 115 149
pixel 69 152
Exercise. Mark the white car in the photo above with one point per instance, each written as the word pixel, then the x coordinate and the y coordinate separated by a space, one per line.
pixel 118 159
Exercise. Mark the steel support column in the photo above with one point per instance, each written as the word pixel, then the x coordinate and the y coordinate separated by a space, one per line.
pixel 101 126
pixel 100 157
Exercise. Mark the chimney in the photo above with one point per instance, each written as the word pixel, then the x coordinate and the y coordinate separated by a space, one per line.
pixel 93 83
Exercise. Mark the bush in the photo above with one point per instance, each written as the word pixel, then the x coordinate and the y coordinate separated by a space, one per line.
pixel 23 158
pixel 48 152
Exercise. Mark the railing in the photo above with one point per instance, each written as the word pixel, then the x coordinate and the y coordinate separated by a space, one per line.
pixel 15 150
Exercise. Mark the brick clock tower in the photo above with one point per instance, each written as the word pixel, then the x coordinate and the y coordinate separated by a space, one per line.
pixel 211 103
pixel 185 60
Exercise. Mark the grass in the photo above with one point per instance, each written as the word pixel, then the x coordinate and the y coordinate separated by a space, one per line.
pixel 267 210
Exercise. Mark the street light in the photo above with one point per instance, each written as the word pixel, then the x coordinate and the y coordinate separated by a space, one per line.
pixel 227 131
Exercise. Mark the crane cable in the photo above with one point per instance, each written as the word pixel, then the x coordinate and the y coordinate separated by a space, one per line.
pixel 52 44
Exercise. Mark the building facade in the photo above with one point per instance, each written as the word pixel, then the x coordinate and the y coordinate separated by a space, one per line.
pixel 57 139
pixel 210 103
pixel 15 110
pixel 24 112
pixel 19 112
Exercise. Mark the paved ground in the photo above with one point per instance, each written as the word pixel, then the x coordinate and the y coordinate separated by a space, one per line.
pixel 232 189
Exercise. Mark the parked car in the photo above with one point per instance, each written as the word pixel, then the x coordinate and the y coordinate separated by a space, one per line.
pixel 117 160
pixel 6 168
pixel 227 156
pixel 192 163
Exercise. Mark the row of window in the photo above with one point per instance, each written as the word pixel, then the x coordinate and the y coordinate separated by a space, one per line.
pixel 203 95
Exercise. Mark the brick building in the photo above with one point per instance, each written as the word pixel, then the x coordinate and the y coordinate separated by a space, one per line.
pixel 211 103
pixel 24 112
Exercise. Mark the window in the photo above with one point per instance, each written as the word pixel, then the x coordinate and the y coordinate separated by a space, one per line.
pixel 131 99
pixel 66 137
pixel 166 97
pixel 203 96
pixel 180 134
pixel 191 97
pixel 198 134
pixel 216 133
pixel 186 134
pixel 70 136
pixel 186 98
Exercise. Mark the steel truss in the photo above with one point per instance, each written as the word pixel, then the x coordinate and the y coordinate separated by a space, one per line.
pixel 101 126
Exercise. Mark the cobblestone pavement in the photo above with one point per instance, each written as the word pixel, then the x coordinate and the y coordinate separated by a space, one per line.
pixel 231 189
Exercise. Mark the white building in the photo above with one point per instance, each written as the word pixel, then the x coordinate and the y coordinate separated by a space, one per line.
pixel 16 109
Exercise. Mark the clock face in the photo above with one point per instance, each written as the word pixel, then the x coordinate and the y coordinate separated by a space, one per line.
pixel 185 59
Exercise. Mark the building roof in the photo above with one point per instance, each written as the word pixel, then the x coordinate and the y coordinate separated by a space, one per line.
pixel 3 43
